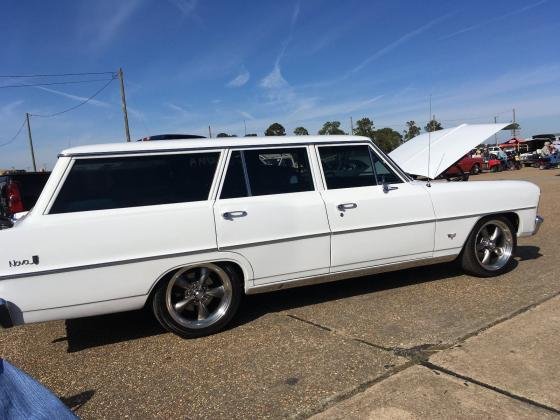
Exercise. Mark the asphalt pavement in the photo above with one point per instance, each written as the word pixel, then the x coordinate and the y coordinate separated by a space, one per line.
pixel 461 345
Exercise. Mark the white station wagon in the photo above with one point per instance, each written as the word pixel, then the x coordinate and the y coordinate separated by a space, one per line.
pixel 190 226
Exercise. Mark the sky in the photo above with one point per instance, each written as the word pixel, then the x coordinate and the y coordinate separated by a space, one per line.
pixel 189 64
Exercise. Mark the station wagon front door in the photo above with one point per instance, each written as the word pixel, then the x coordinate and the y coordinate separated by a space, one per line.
pixel 376 217
pixel 269 211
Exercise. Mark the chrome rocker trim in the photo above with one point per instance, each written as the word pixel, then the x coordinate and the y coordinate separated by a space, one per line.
pixel 342 275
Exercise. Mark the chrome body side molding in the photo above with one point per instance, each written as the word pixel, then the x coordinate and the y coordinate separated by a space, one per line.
pixel 342 275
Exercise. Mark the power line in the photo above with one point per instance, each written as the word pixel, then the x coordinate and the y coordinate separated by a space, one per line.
pixel 15 136
pixel 68 82
pixel 75 106
pixel 58 75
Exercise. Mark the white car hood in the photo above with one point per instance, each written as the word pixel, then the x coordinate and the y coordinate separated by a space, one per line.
pixel 444 147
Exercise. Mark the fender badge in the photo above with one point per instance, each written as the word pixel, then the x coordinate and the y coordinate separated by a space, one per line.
pixel 18 263
pixel 451 235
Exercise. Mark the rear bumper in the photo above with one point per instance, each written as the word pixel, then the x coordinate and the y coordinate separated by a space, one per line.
pixel 538 222
pixel 6 320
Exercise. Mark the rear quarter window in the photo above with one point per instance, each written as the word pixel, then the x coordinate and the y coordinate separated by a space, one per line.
pixel 120 182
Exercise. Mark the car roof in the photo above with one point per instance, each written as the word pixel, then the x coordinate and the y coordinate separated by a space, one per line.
pixel 193 144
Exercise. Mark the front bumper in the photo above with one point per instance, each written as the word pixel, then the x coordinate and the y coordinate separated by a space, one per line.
pixel 6 320
pixel 538 222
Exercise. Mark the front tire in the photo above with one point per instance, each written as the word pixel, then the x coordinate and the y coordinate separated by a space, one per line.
pixel 490 247
pixel 197 300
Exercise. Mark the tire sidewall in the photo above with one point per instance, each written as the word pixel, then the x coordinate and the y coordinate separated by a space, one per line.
pixel 470 262
pixel 160 311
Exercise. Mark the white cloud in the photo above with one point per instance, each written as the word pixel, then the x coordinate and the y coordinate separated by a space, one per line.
pixel 274 80
pixel 76 97
pixel 403 39
pixel 186 7
pixel 240 80
pixel 110 25
pixel 246 115
pixel 494 19
pixel 8 109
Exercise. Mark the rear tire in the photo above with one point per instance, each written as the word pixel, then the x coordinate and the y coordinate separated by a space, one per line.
pixel 489 249
pixel 198 300
pixel 475 170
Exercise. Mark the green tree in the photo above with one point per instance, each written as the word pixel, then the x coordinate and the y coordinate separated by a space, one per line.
pixel 222 135
pixel 275 129
pixel 412 130
pixel 331 128
pixel 365 127
pixel 433 125
pixel 301 131
pixel 387 139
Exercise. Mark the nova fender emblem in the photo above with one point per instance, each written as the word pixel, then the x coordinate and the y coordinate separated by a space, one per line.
pixel 18 263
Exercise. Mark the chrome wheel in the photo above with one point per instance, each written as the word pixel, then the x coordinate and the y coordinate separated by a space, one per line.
pixel 493 245
pixel 198 296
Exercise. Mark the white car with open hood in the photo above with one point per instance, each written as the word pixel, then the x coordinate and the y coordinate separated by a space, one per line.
pixel 187 227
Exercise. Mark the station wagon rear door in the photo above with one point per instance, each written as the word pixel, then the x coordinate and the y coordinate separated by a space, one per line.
pixel 269 211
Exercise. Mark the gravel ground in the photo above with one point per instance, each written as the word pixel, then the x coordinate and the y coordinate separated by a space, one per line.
pixel 291 353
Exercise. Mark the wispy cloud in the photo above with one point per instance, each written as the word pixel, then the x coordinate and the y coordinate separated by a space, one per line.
pixel 246 115
pixel 240 80
pixel 274 80
pixel 494 19
pixel 182 111
pixel 403 39
pixel 8 109
pixel 110 25
pixel 186 7
pixel 96 102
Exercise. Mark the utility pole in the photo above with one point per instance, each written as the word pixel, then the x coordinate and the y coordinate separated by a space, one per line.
pixel 245 125
pixel 513 131
pixel 209 132
pixel 123 101
pixel 351 127
pixel 30 142
pixel 496 134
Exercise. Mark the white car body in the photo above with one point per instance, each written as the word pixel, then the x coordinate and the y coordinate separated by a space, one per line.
pixel 83 263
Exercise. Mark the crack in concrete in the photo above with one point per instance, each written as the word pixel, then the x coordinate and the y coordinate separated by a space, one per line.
pixel 534 403
pixel 420 355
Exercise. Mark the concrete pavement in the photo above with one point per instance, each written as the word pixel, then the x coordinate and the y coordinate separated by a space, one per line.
pixel 510 370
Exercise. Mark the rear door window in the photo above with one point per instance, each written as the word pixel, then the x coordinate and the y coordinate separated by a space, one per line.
pixel 119 182
pixel 267 171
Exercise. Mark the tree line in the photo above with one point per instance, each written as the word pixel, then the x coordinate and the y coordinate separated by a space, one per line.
pixel 385 138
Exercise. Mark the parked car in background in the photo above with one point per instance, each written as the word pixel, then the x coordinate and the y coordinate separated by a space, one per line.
pixel 532 155
pixel 19 191
pixel 187 227
pixel 492 163
pixel 171 137
pixel 469 164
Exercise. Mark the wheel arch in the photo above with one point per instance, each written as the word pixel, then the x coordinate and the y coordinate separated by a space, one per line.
pixel 241 267
pixel 511 216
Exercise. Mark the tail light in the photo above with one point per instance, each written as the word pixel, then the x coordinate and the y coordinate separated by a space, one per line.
pixel 15 204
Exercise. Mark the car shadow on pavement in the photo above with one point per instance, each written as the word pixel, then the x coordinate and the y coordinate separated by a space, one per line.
pixel 94 331
pixel 527 252
pixel 101 330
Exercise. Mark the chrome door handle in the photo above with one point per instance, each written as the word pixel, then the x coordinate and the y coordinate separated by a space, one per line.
pixel 229 215
pixel 346 206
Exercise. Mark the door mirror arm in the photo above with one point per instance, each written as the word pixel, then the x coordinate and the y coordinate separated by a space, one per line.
pixel 386 186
